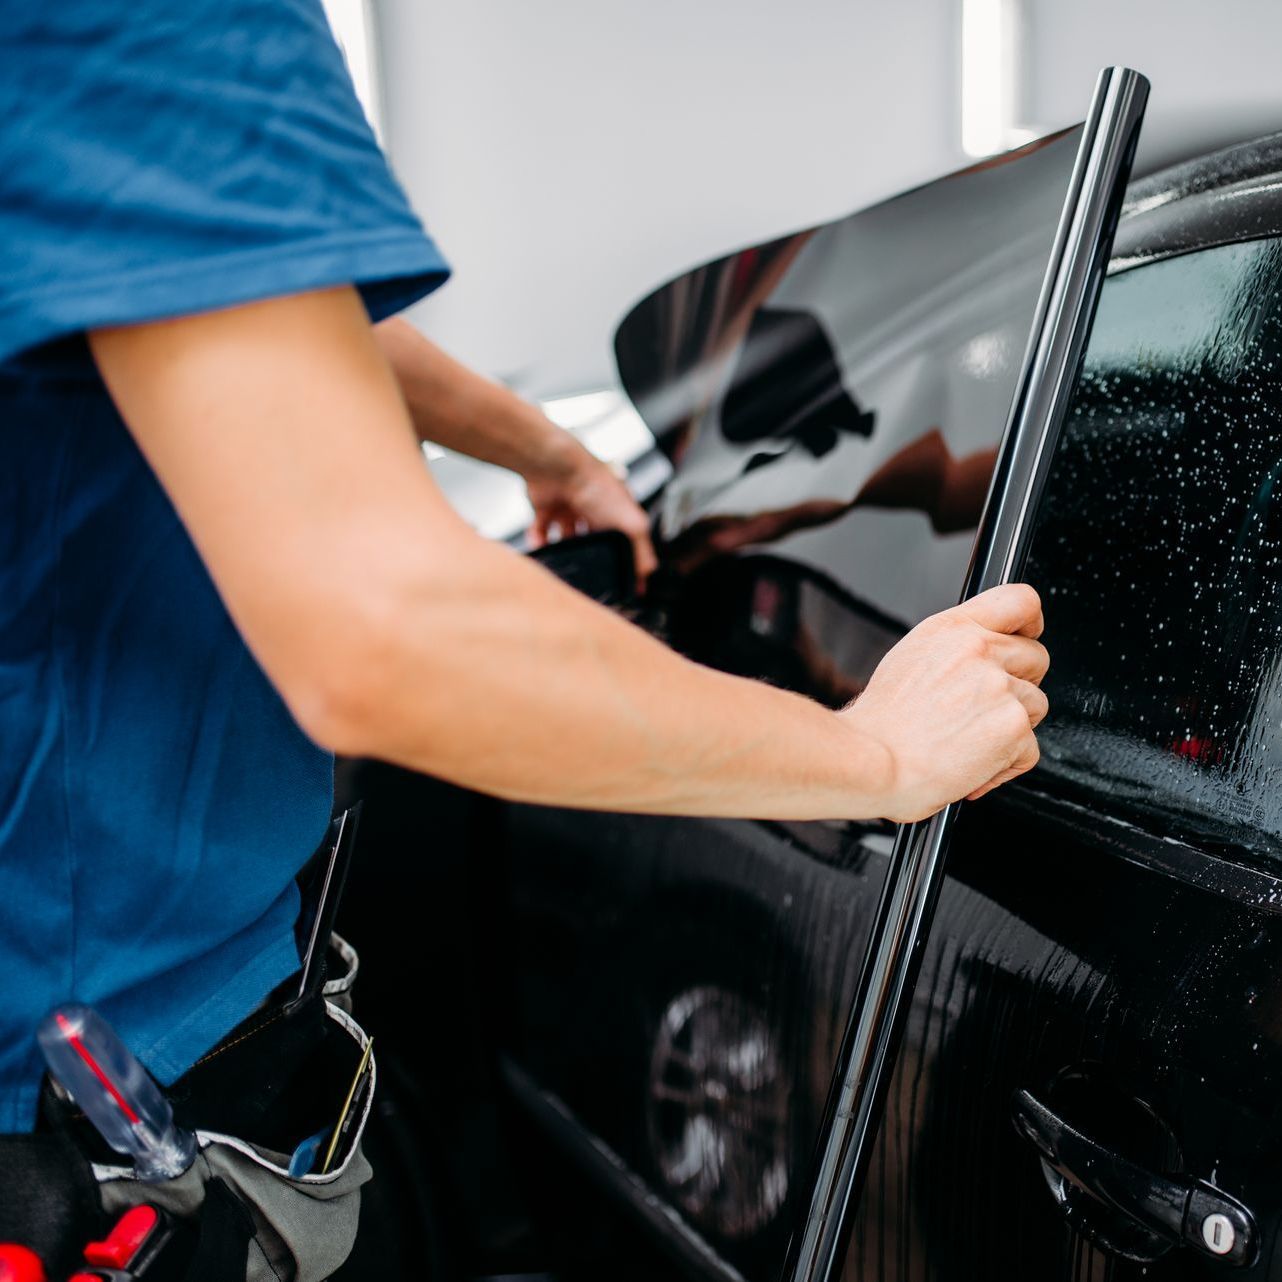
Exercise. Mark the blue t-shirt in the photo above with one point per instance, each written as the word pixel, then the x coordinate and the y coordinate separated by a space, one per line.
pixel 156 798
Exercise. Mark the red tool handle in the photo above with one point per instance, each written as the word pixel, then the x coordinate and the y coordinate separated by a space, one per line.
pixel 17 1264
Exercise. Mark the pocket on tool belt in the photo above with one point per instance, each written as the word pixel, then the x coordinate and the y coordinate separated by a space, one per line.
pixel 303 1226
pixel 343 966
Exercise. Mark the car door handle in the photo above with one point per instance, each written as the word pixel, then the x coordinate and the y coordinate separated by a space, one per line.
pixel 1177 1209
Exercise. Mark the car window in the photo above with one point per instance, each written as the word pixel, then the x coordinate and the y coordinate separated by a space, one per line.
pixel 1159 554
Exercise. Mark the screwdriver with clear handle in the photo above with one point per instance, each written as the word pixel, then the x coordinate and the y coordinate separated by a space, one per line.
pixel 105 1079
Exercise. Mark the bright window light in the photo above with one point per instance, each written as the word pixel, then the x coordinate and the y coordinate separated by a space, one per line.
pixel 576 412
pixel 991 64
pixel 352 23
pixel 605 422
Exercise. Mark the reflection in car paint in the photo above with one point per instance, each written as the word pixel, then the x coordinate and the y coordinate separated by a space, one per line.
pixel 717 1111
pixel 1161 543
pixel 769 618
pixel 839 394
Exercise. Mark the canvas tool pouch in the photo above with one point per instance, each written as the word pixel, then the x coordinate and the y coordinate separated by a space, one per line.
pixel 302 1228
pixel 272 1082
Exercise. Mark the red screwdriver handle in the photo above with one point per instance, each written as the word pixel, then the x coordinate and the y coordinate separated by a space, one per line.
pixel 18 1264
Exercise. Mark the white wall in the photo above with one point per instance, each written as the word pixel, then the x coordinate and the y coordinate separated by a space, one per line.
pixel 1214 66
pixel 571 154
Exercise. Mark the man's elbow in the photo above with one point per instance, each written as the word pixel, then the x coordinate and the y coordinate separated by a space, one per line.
pixel 341 692
pixel 382 637
pixel 335 714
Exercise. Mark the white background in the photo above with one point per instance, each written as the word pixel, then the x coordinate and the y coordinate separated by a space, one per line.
pixel 569 155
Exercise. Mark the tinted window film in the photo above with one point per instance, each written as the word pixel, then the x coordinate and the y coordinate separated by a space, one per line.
pixel 833 403
pixel 1159 554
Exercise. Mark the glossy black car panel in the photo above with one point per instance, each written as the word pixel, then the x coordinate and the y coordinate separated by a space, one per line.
pixel 1108 940
pixel 823 394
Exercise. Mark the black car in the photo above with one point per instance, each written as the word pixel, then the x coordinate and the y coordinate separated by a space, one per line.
pixel 1096 1036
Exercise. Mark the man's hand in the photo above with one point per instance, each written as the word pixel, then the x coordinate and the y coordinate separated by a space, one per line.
pixel 956 701
pixel 582 493
pixel 454 406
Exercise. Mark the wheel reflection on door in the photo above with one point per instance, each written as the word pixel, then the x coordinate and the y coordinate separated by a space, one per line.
pixel 717 1112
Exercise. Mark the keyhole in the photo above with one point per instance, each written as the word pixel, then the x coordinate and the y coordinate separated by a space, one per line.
pixel 1218 1234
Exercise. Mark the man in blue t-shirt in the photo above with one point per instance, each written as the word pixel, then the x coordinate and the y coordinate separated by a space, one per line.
pixel 222 559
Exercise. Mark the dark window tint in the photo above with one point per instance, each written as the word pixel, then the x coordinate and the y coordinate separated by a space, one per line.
pixel 1159 554
pixel 833 403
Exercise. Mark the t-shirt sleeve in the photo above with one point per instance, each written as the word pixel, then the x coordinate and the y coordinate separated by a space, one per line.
pixel 159 159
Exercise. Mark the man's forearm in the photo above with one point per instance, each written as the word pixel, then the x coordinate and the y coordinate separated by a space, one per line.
pixel 474 664
pixel 570 490
pixel 637 727
pixel 498 677
pixel 458 408
pixel 393 630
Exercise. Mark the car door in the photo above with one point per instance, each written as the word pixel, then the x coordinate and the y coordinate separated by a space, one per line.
pixel 1089 1088
pixel 832 403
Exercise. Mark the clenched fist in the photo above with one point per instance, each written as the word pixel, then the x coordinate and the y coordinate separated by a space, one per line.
pixel 955 703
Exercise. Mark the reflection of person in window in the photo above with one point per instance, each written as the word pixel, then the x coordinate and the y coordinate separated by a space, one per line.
pixel 924 476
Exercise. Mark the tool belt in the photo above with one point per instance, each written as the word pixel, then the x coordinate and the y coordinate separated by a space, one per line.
pixel 237 1212
pixel 288 1072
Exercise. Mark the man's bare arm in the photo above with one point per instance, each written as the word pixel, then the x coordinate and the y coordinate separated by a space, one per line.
pixel 462 410
pixel 458 408
pixel 392 630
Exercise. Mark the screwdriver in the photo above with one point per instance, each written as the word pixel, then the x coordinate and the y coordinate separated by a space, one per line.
pixel 103 1077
